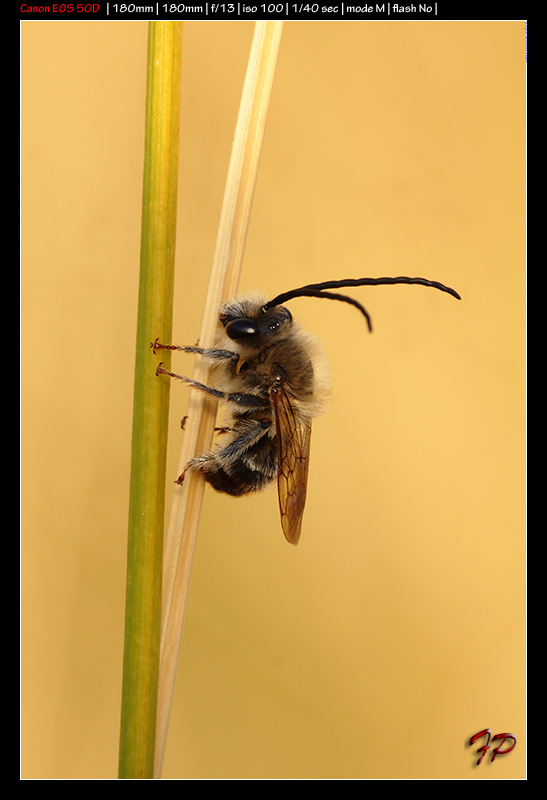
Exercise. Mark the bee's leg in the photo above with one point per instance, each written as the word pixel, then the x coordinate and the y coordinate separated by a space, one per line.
pixel 242 399
pixel 196 385
pixel 255 430
pixel 215 354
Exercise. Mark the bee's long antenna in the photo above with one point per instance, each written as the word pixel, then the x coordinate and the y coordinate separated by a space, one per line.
pixel 310 292
pixel 317 290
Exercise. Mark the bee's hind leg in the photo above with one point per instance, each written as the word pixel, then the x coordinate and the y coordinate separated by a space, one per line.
pixel 215 463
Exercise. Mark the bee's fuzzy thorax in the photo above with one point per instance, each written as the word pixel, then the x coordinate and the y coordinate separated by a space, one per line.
pixel 289 346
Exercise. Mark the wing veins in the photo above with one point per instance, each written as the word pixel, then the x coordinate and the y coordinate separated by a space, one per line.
pixel 293 450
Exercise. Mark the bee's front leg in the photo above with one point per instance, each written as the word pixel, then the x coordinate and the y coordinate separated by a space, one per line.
pixel 215 354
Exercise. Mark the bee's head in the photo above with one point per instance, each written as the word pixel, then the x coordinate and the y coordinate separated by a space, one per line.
pixel 249 323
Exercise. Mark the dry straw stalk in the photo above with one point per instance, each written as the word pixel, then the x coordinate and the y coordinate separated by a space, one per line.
pixel 223 283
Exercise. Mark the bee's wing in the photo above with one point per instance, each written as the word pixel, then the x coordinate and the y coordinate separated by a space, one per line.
pixel 293 451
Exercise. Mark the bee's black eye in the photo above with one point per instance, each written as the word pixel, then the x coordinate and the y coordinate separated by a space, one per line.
pixel 241 328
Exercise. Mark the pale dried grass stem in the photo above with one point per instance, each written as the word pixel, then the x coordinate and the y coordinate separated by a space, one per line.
pixel 223 282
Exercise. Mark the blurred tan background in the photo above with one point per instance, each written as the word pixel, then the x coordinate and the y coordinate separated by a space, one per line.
pixel 395 631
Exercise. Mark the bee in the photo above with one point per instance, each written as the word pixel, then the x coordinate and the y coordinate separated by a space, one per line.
pixel 274 377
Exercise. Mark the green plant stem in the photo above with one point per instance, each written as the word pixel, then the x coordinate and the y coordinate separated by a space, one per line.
pixel 151 403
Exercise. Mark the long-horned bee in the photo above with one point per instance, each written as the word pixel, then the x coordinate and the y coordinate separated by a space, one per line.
pixel 275 378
